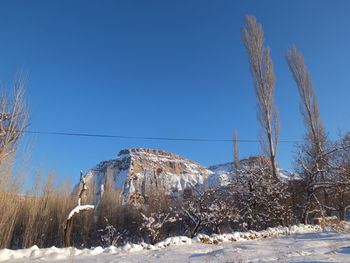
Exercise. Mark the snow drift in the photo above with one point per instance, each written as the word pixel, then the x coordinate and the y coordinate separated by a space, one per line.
pixel 53 253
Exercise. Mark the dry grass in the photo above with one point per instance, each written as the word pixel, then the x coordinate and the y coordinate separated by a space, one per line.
pixel 8 214
pixel 43 214
pixel 9 203
pixel 36 218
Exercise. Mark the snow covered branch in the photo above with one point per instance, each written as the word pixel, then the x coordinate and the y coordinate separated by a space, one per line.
pixel 78 209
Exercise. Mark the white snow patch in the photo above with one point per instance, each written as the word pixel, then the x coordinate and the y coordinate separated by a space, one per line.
pixel 34 254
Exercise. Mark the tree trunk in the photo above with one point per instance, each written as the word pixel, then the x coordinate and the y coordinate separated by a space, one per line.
pixel 341 213
pixel 67 232
pixel 195 230
pixel 307 207
pixel 327 203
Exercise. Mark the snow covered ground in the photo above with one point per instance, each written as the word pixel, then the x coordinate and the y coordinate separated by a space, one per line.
pixel 298 244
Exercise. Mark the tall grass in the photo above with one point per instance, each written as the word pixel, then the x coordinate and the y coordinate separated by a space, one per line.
pixel 39 216
pixel 43 214
pixel 9 203
pixel 36 218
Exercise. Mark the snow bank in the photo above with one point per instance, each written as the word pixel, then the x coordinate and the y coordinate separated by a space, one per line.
pixel 34 253
pixel 252 235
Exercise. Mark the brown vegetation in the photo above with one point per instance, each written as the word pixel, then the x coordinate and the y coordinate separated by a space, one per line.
pixel 13 118
pixel 36 218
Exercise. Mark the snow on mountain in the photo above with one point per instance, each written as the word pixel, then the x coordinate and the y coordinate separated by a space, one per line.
pixel 288 175
pixel 140 172
pixel 224 173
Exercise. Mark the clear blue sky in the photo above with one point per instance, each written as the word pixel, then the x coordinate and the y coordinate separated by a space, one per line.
pixel 166 69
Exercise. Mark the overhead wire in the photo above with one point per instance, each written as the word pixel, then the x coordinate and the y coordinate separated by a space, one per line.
pixel 148 138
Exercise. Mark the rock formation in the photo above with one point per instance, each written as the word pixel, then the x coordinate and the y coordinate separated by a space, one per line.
pixel 140 172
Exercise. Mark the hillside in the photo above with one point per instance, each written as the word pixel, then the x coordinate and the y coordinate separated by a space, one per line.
pixel 224 173
pixel 138 172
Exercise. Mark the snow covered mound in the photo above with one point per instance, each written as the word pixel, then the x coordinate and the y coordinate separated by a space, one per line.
pixel 224 173
pixel 34 254
pixel 140 172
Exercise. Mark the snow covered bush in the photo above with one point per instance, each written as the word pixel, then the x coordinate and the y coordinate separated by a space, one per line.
pixel 221 209
pixel 262 200
pixel 193 211
pixel 109 236
pixel 153 223
pixel 325 179
pixel 207 211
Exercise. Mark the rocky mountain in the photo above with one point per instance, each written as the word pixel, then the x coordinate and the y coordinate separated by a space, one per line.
pixel 138 173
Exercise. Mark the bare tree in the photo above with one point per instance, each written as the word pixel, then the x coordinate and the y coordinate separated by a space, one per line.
pixel 313 158
pixel 235 152
pixel 193 211
pixel 261 68
pixel 260 200
pixel 340 193
pixel 309 105
pixel 153 223
pixel 13 117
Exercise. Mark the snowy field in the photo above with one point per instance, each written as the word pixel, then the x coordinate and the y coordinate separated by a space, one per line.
pixel 295 245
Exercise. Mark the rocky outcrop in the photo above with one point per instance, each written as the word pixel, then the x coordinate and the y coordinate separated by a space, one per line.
pixel 141 172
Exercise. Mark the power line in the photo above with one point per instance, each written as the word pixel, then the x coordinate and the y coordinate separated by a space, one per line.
pixel 148 138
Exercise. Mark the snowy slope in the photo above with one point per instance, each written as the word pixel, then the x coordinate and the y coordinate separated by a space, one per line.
pixel 224 173
pixel 298 244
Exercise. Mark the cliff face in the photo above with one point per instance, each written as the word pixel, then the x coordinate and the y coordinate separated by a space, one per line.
pixel 140 172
